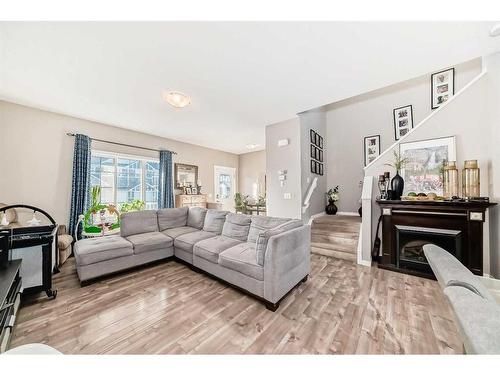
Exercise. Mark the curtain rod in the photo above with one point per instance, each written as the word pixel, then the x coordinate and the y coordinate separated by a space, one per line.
pixel 123 144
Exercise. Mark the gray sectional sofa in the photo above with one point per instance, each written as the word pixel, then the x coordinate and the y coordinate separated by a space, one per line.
pixel 264 256
pixel 476 310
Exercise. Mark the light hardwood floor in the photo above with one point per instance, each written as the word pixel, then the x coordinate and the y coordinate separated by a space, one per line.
pixel 169 308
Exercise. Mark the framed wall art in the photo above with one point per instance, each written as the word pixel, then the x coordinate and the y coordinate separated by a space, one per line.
pixel 442 87
pixel 422 173
pixel 403 121
pixel 372 148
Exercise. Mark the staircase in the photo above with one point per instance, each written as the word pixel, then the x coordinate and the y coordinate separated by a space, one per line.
pixel 336 236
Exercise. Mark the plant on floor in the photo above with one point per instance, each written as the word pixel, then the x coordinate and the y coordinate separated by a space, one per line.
pixel 240 202
pixel 333 196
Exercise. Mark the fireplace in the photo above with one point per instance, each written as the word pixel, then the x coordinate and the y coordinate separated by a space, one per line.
pixel 409 225
pixel 410 241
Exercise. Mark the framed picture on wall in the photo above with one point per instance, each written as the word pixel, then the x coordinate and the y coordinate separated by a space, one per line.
pixel 320 142
pixel 372 148
pixel 312 135
pixel 422 173
pixel 320 155
pixel 313 152
pixel 320 172
pixel 442 87
pixel 313 166
pixel 317 139
pixel 403 121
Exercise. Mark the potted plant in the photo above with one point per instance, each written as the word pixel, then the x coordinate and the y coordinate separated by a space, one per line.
pixel 397 182
pixel 333 196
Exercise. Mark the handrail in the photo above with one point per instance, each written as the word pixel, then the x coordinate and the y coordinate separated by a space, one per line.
pixel 313 185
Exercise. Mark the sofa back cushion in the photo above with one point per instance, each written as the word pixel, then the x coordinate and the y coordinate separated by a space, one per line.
pixel 138 222
pixel 263 223
pixel 237 226
pixel 169 218
pixel 264 237
pixel 214 221
pixel 196 217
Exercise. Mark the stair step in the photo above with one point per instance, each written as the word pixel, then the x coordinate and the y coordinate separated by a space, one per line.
pixel 333 253
pixel 352 249
pixel 332 239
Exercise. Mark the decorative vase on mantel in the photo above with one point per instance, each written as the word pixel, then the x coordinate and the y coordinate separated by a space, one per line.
pixel 331 208
pixel 397 186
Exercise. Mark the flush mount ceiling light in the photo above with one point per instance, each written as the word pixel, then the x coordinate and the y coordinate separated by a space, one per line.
pixel 177 99
pixel 495 30
pixel 251 146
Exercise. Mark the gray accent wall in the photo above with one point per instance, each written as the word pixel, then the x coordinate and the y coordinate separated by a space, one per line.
pixel 350 120
pixel 315 120
pixel 284 158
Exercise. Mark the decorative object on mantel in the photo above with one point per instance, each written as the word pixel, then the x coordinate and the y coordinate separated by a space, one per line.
pixel 470 179
pixel 403 121
pixel 333 196
pixel 423 170
pixel 372 148
pixel 450 180
pixel 442 87
pixel 397 182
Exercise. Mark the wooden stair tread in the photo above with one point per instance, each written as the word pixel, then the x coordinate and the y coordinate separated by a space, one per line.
pixel 336 236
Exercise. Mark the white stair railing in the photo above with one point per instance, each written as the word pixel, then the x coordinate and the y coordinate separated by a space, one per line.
pixel 310 191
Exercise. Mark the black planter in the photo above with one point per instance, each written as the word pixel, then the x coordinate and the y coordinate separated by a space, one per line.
pixel 397 186
pixel 331 209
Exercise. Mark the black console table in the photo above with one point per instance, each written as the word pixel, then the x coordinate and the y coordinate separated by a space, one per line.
pixel 408 225
pixel 10 299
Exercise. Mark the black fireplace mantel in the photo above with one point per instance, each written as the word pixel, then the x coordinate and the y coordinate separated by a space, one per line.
pixel 465 217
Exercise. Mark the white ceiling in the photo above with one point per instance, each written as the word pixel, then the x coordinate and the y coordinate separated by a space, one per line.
pixel 241 76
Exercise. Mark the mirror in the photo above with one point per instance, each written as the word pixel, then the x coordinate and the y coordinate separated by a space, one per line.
pixel 186 175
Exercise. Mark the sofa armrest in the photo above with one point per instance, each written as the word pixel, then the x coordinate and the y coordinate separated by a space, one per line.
pixel 287 261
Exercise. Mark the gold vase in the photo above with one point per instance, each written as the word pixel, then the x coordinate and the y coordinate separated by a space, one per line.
pixel 450 180
pixel 470 179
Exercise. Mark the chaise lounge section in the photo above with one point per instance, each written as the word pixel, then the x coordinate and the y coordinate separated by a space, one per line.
pixel 263 256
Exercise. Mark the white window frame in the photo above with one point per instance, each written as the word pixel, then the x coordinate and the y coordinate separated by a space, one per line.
pixel 119 155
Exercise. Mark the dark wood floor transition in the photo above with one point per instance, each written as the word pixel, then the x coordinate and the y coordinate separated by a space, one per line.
pixel 168 308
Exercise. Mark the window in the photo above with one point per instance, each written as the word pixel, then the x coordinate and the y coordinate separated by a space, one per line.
pixel 125 178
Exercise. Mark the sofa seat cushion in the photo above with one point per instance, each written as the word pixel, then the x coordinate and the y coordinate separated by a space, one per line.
pixel 450 271
pixel 237 226
pixel 210 248
pixel 172 217
pixel 477 318
pixel 214 221
pixel 242 258
pixel 137 222
pixel 176 232
pixel 196 217
pixel 186 241
pixel 150 241
pixel 95 250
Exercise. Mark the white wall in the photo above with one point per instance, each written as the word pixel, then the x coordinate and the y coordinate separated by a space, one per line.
pixel 36 155
pixel 252 174
pixel 350 120
pixel 284 158
pixel 492 78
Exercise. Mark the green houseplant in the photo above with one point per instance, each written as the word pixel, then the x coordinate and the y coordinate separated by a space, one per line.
pixel 333 196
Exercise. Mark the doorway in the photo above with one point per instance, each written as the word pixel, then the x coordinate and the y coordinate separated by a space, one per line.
pixel 225 186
